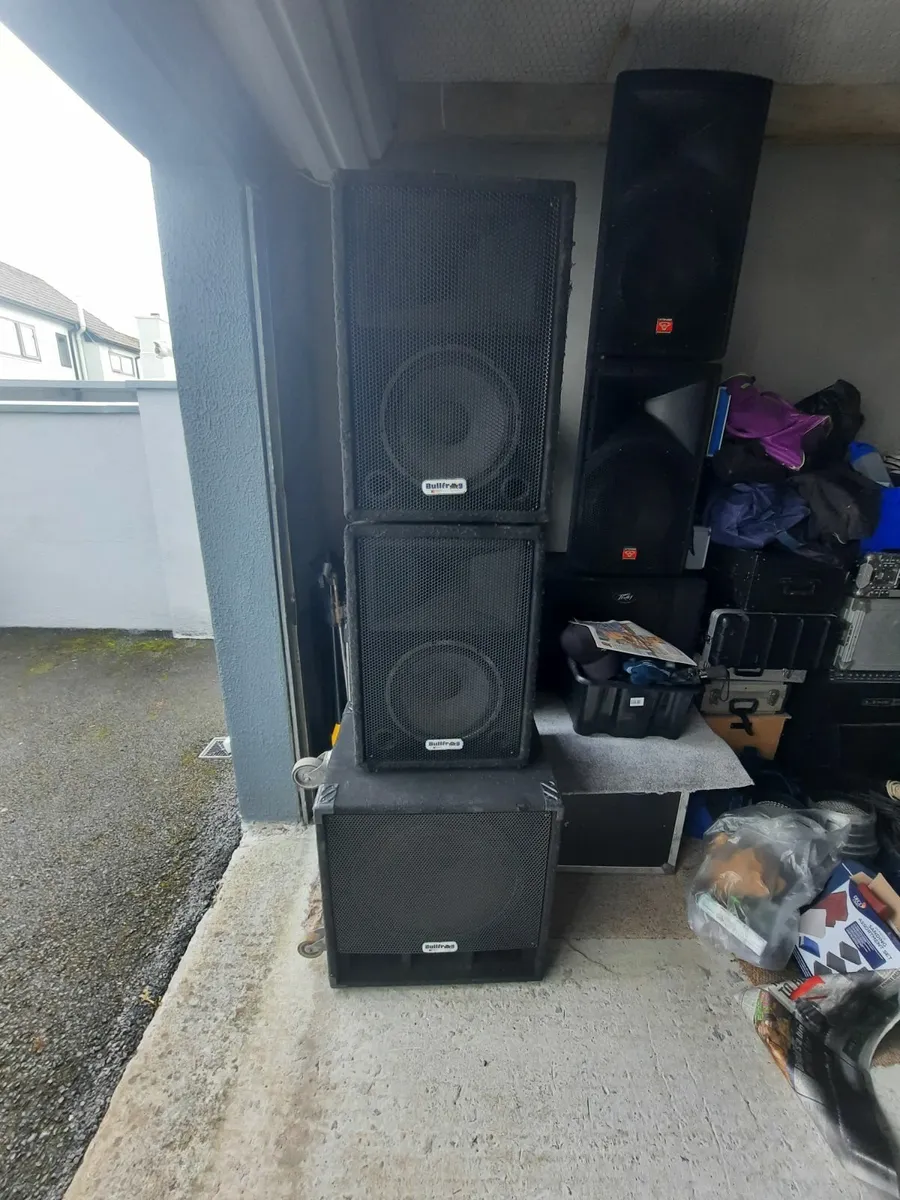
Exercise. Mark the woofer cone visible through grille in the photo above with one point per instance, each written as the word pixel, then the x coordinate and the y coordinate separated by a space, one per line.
pixel 494 870
pixel 444 689
pixel 682 256
pixel 449 413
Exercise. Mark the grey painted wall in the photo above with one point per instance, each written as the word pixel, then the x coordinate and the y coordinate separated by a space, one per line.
pixel 820 289
pixel 819 295
pixel 203 232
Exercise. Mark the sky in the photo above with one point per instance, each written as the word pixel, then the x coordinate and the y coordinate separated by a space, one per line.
pixel 76 203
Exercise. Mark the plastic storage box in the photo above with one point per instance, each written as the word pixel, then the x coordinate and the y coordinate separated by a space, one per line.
pixel 623 709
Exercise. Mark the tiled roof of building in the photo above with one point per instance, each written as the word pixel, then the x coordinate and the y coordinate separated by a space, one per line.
pixel 29 291
pixel 105 333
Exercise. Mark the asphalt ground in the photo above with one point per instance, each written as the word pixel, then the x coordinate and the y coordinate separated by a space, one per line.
pixel 113 837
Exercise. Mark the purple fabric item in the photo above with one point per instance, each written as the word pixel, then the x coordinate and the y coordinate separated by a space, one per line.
pixel 777 425
pixel 751 515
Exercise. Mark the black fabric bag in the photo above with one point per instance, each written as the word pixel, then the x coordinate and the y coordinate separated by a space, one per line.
pixel 840 402
pixel 844 508
pixel 843 504
pixel 744 460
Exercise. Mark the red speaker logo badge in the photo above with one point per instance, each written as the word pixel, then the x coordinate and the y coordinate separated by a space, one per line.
pixel 664 324
pixel 629 553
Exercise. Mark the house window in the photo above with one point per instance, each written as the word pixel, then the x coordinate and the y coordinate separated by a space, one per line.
pixel 121 364
pixel 18 338
pixel 65 350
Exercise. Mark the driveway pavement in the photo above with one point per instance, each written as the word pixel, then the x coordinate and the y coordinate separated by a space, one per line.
pixel 113 837
pixel 629 1072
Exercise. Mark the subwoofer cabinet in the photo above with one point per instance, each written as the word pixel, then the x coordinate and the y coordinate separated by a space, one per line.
pixel 451 296
pixel 681 167
pixel 644 433
pixel 443 627
pixel 435 878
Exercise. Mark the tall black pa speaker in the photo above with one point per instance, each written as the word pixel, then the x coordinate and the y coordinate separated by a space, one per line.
pixel 681 166
pixel 443 626
pixel 644 434
pixel 429 879
pixel 451 298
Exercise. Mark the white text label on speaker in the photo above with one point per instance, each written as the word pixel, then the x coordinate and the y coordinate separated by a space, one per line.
pixel 439 947
pixel 444 744
pixel 444 487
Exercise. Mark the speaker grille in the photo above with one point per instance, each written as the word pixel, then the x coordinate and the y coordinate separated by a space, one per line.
pixel 644 431
pixel 399 880
pixel 442 627
pixel 451 300
pixel 680 170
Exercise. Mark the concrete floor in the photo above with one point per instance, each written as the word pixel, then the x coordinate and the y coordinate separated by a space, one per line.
pixel 113 837
pixel 628 1072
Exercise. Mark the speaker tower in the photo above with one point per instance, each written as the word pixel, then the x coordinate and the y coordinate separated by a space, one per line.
pixel 681 166
pixel 451 297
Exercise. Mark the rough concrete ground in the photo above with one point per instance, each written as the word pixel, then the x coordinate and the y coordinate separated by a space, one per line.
pixel 113 837
pixel 629 1072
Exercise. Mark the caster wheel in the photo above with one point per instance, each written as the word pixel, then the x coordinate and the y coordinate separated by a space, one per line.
pixel 313 946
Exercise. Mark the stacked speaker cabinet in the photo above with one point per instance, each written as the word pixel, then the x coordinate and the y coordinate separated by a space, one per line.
pixel 451 297
pixel 437 876
pixel 444 619
pixel 681 166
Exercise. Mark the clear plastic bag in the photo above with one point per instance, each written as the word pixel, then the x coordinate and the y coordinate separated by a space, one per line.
pixel 757 873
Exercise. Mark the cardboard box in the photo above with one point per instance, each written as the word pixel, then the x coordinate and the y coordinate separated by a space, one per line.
pixel 842 931
pixel 765 732
pixel 883 891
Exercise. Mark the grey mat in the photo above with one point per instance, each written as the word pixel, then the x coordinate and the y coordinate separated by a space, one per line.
pixel 697 761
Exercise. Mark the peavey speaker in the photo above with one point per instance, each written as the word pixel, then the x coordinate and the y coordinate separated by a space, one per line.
pixel 435 878
pixel 670 607
pixel 451 299
pixel 644 433
pixel 681 166
pixel 443 632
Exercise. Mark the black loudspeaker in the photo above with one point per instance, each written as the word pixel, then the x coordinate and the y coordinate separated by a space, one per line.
pixel 671 608
pixel 435 879
pixel 681 166
pixel 443 627
pixel 451 299
pixel 644 434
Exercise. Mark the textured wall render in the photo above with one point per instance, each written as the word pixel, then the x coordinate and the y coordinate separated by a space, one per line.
pixel 202 230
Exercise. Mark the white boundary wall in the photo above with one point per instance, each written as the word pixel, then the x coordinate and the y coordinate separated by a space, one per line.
pixel 97 525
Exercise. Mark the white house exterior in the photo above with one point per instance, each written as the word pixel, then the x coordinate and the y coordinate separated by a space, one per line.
pixel 34 346
pixel 156 348
pixel 45 335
